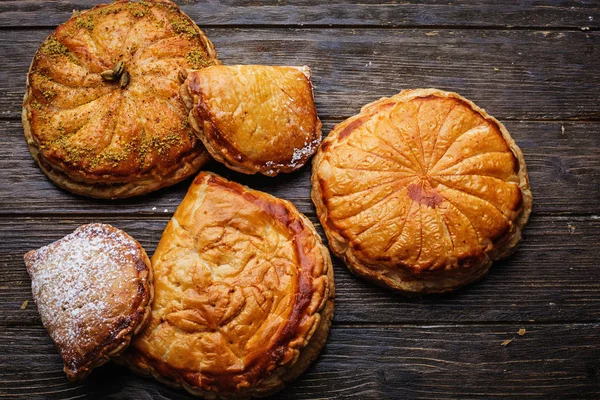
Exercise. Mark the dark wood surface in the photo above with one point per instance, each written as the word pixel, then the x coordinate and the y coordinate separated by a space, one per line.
pixel 532 64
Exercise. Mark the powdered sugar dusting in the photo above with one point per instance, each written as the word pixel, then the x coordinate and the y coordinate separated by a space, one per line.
pixel 304 153
pixel 78 283
pixel 299 156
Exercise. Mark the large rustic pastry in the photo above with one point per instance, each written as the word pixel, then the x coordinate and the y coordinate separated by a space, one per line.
pixel 254 118
pixel 93 290
pixel 102 113
pixel 421 192
pixel 243 294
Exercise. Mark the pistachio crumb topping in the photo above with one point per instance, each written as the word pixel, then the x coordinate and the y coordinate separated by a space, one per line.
pixel 112 157
pixel 52 47
pixel 198 59
pixel 191 136
pixel 48 94
pixel 163 144
pixel 73 153
pixel 109 10
pixel 136 9
pixel 86 22
pixel 183 26
pixel 144 145
pixel 36 105
pixel 60 143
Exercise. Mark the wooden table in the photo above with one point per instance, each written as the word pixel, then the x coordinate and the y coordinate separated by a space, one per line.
pixel 534 66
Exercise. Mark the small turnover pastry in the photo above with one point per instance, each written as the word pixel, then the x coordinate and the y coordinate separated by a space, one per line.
pixel 93 290
pixel 421 192
pixel 244 294
pixel 254 118
pixel 102 113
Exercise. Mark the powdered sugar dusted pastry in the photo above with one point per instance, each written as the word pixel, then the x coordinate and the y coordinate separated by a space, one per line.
pixel 254 118
pixel 102 113
pixel 93 290
pixel 244 294
pixel 421 192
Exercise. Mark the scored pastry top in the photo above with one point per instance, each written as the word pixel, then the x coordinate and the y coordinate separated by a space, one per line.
pixel 92 289
pixel 102 103
pixel 424 180
pixel 254 118
pixel 241 282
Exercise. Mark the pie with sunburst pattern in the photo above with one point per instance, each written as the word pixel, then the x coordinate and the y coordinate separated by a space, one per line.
pixel 102 112
pixel 421 192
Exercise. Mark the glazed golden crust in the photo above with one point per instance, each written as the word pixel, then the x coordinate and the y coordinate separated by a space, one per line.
pixel 244 294
pixel 93 290
pixel 421 192
pixel 121 137
pixel 254 118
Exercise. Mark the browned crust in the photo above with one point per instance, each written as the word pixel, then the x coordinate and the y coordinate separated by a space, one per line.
pixel 189 164
pixel 403 278
pixel 120 337
pixel 115 344
pixel 269 372
pixel 115 184
pixel 205 123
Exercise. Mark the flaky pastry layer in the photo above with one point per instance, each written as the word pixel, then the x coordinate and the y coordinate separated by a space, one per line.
pixel 243 298
pixel 93 290
pixel 102 114
pixel 254 118
pixel 421 192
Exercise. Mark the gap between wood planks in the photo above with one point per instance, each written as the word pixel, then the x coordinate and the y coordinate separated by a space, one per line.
pixel 160 215
pixel 515 75
pixel 358 27
pixel 431 325
pixel 516 324
pixel 339 118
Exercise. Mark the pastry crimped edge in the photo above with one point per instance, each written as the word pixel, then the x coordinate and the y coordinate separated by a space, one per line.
pixel 246 167
pixel 116 190
pixel 120 340
pixel 126 334
pixel 426 282
pixel 314 341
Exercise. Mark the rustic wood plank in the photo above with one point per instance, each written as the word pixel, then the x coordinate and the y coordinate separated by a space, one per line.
pixel 514 74
pixel 363 362
pixel 553 276
pixel 569 160
pixel 564 14
pixel 533 61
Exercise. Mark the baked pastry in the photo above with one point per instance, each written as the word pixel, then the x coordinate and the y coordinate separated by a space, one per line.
pixel 93 290
pixel 244 294
pixel 421 192
pixel 254 118
pixel 102 113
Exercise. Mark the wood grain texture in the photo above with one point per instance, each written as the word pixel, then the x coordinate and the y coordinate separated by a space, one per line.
pixel 363 362
pixel 563 14
pixel 549 153
pixel 532 64
pixel 513 74
pixel 552 277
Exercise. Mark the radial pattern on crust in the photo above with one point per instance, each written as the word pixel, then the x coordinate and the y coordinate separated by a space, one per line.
pixel 115 128
pixel 427 183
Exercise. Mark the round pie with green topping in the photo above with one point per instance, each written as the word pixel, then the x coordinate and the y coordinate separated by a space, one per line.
pixel 102 113
pixel 421 192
